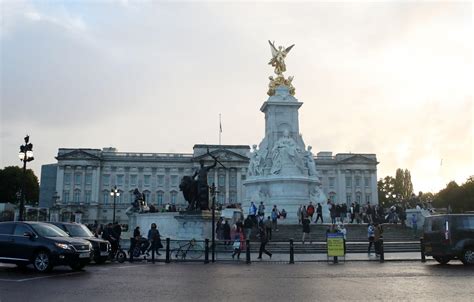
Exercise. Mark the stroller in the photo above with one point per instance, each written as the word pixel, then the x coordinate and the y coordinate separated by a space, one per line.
pixel 140 247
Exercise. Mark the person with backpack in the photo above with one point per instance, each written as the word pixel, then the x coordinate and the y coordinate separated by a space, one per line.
pixel 319 213
pixel 370 236
pixel 310 211
pixel 154 239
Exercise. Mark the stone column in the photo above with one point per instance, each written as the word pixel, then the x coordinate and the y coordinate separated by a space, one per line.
pixel 95 184
pixel 239 186
pixel 227 186
pixel 60 182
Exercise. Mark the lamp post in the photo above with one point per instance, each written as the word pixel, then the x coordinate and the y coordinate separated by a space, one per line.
pixel 115 193
pixel 213 192
pixel 25 155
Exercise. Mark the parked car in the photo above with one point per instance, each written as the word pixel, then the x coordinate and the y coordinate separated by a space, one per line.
pixel 101 247
pixel 451 236
pixel 43 245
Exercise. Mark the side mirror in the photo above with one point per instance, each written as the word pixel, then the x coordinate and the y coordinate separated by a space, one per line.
pixel 29 234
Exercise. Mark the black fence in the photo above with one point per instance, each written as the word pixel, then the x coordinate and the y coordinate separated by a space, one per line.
pixel 246 252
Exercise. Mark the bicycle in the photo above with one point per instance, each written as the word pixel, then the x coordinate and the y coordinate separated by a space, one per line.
pixel 190 249
pixel 118 255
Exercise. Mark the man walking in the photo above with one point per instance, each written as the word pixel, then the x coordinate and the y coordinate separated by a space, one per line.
pixel 319 213
pixel 248 225
pixel 263 243
pixel 268 228
pixel 253 212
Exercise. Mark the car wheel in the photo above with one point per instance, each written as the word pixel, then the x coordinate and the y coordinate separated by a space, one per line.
pixel 467 256
pixel 121 256
pixel 77 266
pixel 42 262
pixel 441 259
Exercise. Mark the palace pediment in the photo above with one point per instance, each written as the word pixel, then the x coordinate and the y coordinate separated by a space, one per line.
pixel 77 154
pixel 222 155
pixel 358 159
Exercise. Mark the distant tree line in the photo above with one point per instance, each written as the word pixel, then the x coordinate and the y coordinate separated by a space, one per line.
pixel 458 198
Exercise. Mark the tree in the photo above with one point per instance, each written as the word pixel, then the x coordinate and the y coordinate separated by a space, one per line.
pixel 459 198
pixel 386 190
pixel 11 179
pixel 403 185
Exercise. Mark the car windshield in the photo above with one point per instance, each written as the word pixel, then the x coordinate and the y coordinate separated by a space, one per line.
pixel 78 230
pixel 47 230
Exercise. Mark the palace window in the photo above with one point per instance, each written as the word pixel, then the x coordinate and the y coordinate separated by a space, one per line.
pixel 88 178
pixel 77 196
pixel 66 196
pixel 221 198
pixel 233 179
pixel 147 195
pixel 106 180
pixel 357 179
pixel 331 182
pixel 120 180
pixel 232 197
pixel 87 196
pixel 221 180
pixel 133 180
pixel 358 197
pixel 367 181
pixel 161 180
pixel 332 197
pixel 146 180
pixel 159 197
pixel 105 196
pixel 210 179
pixel 348 198
pixel 174 180
pixel 348 182
pixel 368 197
pixel 174 196
pixel 67 178
pixel 77 179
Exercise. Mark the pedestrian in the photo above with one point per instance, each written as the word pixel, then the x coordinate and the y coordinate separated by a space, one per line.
pixel 370 236
pixel 357 212
pixel 310 211
pixel 378 237
pixel 298 213
pixel 304 213
pixel 332 212
pixel 268 228
pixel 253 212
pixel 261 209
pixel 226 231
pixel 306 228
pixel 342 229
pixel 414 225
pixel 248 225
pixel 275 216
pixel 338 213
pixel 319 213
pixel 155 240
pixel 263 243
pixel 369 212
pixel 236 246
pixel 352 212
pixel 343 213
pixel 220 229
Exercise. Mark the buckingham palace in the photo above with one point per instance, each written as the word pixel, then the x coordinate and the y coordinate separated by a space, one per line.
pixel 79 184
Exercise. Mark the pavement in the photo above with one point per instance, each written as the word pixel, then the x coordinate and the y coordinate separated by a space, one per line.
pixel 346 281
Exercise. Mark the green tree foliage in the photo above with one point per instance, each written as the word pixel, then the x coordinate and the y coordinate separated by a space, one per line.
pixel 386 189
pixel 403 185
pixel 11 181
pixel 459 198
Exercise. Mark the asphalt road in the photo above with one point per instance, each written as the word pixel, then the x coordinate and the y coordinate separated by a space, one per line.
pixel 350 281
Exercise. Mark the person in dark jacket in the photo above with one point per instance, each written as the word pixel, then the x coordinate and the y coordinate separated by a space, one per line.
pixel 226 229
pixel 306 228
pixel 248 225
pixel 155 239
pixel 319 213
pixel 263 243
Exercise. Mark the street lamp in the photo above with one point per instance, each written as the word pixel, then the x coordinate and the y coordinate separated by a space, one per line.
pixel 115 193
pixel 25 155
pixel 213 192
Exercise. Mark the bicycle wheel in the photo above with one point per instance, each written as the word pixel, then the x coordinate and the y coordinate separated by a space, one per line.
pixel 195 251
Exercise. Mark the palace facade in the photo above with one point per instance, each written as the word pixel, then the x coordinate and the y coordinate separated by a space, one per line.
pixel 79 184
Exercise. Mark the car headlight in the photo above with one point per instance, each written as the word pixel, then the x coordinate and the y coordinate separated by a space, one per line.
pixel 63 246
pixel 90 246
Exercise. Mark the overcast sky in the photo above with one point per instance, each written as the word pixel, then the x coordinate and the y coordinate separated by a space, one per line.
pixel 391 78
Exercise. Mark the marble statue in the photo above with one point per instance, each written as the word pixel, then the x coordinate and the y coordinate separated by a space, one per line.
pixel 309 162
pixel 284 152
pixel 254 161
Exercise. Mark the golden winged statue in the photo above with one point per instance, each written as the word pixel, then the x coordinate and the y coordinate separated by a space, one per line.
pixel 278 57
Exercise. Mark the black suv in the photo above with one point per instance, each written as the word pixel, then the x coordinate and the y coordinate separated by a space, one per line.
pixel 451 236
pixel 101 247
pixel 42 244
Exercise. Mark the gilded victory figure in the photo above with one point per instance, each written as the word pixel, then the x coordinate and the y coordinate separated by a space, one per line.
pixel 278 61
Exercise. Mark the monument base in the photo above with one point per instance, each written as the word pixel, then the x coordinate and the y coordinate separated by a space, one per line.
pixel 177 226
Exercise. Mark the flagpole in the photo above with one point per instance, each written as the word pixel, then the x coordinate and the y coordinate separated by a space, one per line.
pixel 220 129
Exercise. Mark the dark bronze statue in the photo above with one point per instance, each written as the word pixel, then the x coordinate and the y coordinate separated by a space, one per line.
pixel 196 192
